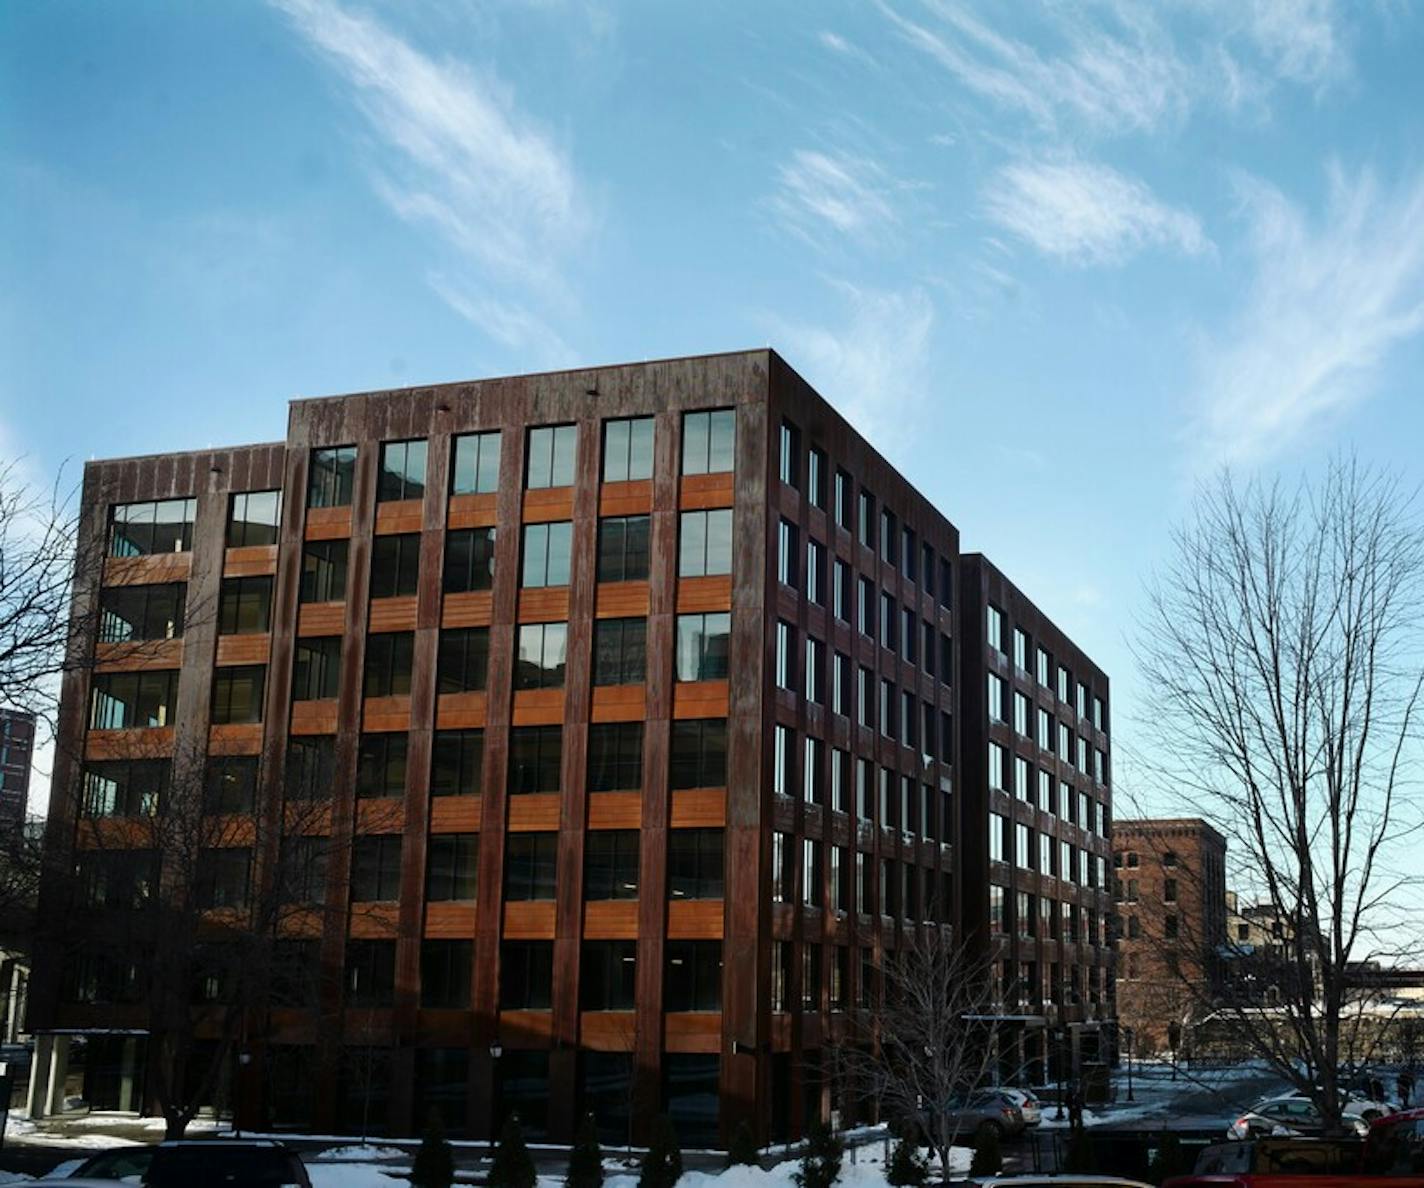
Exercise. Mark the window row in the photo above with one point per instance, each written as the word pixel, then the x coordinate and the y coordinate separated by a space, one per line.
pixel 1026 848
pixel 1085 702
pixel 1020 913
pixel 1035 786
pixel 821 874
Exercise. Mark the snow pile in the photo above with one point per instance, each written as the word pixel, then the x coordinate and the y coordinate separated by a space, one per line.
pixel 356 1153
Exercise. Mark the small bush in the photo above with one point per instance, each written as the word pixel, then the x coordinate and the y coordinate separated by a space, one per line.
pixel 512 1166
pixel 821 1162
pixel 988 1159
pixel 743 1148
pixel 585 1157
pixel 662 1165
pixel 434 1165
pixel 908 1168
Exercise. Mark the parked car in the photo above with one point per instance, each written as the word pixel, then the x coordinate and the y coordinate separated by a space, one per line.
pixel 1028 1104
pixel 200 1163
pixel 988 1110
pixel 1280 1156
pixel 1351 1103
pixel 1289 1116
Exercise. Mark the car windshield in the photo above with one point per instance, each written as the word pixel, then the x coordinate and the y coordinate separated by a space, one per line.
pixel 115 1165
pixel 203 1166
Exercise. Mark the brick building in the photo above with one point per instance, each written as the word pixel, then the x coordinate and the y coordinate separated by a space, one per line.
pixel 1170 887
pixel 633 689
pixel 17 743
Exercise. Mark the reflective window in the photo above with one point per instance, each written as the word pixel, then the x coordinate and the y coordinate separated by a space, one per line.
pixel 541 655
pixel 245 606
pixel 381 763
pixel 133 613
pixel 552 450
pixel 128 699
pixel 237 694
pixel 395 565
pixel 452 866
pixel 610 864
pixel 615 756
pixel 695 864
pixel 316 671
pixel 627 449
pixel 402 471
pixel 547 553
pixel 457 763
pixel 462 664
pixel 623 548
pixel 389 658
pixel 332 477
pixel 469 560
pixel 620 651
pixel 705 543
pixel 703 646
pixel 475 470
pixel 151 527
pixel 253 518
pixel 324 571
pixel 709 441
pixel 535 759
pixel 530 865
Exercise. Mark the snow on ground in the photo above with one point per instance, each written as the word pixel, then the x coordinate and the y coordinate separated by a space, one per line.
pixel 26 1132
pixel 356 1153
pixel 351 1175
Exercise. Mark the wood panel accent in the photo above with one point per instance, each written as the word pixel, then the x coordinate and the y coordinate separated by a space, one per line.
pixel 291 1025
pixel 152 570
pixel 525 1029
pixel 705 490
pixel 243 649
pixel 455 814
pixel 300 923
pixel 307 818
pixel 615 810
pixel 148 742
pixel 547 605
pixel 374 920
pixel 321 618
pixel 534 811
pixel 700 699
pixel 548 503
pixel 110 833
pixel 473 608
pixel 619 703
pixel 138 654
pixel 314 717
pixel 694 919
pixel 696 594
pixel 626 499
pixel 621 600
pixel 449 921
pixel 538 707
pixel 250 561
pixel 235 739
pixel 472 511
pixel 699 808
pixel 529 919
pixel 692 1031
pixel 393 614
pixel 607 1031
pixel 399 515
pixel 229 830
pixel 328 523
pixel 386 713
pixel 610 919
pixel 460 711
pixel 380 814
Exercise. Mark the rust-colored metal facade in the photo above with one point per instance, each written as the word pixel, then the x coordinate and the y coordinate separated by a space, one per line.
pixel 873 826
pixel 1042 908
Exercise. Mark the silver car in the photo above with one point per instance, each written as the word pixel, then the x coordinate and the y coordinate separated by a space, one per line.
pixel 987 1111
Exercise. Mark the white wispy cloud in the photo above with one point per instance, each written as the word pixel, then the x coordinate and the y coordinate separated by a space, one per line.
pixel 874 365
pixel 1087 213
pixel 453 151
pixel 507 322
pixel 833 191
pixel 1329 300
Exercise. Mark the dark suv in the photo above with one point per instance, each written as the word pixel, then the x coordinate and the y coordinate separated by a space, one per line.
pixel 202 1163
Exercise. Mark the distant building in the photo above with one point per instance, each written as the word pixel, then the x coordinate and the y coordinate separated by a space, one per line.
pixel 1170 886
pixel 17 744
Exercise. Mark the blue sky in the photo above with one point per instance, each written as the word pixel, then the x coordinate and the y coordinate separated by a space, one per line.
pixel 1057 261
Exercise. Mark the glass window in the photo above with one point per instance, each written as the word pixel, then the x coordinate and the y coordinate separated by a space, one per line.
pixel 324 571
pixel 253 518
pixel 310 766
pixel 402 471
pixel 790 442
pixel 389 657
pixel 541 656
pixel 230 784
pixel 840 590
pixel 627 449
pixel 375 868
pixel 703 646
pixel 469 560
pixel 237 694
pixel 476 466
pixel 124 700
pixel 452 866
pixel 709 441
pixel 1042 663
pixel 530 865
pixel 889 536
pixel 129 614
pixel 125 788
pixel 695 864
pixel 705 543
pixel 694 976
pixel 996 629
pixel 445 983
pixel 699 753
pixel 785 656
pixel 865 518
pixel 786 558
pixel 608 975
pixel 610 864
pixel 245 606
pixel 332 477
pixel 151 527
pixel 224 874
pixel 370 973
pixel 316 672
pixel 526 978
pixel 535 758
pixel 547 552
pixel 462 664
pixel 841 498
pixel 865 607
pixel 395 565
pixel 620 651
pixel 380 765
pixel 552 451
pixel 615 756
pixel 457 763
pixel 623 548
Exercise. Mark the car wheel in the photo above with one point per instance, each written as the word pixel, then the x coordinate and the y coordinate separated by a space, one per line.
pixel 990 1129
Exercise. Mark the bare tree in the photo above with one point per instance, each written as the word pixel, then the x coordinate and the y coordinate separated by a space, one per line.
pixel 930 1043
pixel 1283 660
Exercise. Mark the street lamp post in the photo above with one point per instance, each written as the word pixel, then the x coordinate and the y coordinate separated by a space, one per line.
pixel 1130 1038
pixel 1062 1036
